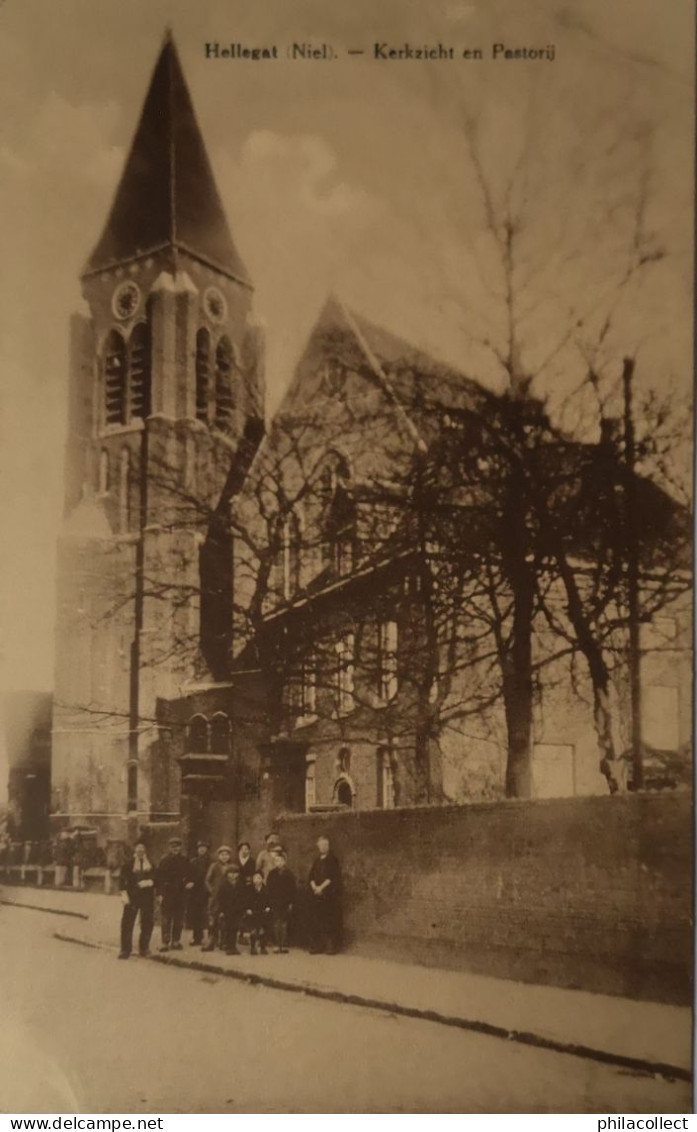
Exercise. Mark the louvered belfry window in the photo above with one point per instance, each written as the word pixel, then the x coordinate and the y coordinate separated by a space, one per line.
pixel 115 379
pixel 203 373
pixel 140 372
pixel 224 403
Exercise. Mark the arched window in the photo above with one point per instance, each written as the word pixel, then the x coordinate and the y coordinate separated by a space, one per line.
pixel 335 473
pixel 104 472
pixel 125 490
pixel 338 515
pixel 388 659
pixel 114 379
pixel 310 684
pixel 290 554
pixel 203 374
pixel 197 735
pixel 132 787
pixel 343 794
pixel 139 393
pixel 327 483
pixel 224 403
pixel 220 734
pixel 191 466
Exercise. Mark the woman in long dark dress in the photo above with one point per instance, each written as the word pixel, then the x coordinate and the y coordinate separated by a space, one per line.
pixel 138 896
pixel 325 901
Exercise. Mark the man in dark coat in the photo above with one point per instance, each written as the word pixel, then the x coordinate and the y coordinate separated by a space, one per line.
pixel 173 883
pixel 137 887
pixel 257 914
pixel 198 894
pixel 280 888
pixel 325 901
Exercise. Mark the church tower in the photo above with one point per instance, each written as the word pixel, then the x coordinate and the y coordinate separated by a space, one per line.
pixel 166 410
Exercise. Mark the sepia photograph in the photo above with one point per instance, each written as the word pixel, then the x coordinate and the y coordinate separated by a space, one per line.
pixel 346 683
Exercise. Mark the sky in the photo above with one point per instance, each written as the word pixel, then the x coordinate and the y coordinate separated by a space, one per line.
pixel 350 175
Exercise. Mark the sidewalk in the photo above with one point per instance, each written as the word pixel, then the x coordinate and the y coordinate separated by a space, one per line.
pixel 645 1036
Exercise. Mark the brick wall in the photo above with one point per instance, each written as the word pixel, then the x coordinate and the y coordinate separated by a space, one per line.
pixel 579 892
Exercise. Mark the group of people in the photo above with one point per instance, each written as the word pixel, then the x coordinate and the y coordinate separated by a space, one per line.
pixel 230 902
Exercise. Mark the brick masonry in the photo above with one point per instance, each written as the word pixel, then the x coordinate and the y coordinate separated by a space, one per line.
pixel 590 892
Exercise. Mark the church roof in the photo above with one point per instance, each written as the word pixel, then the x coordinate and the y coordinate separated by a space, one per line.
pixel 409 378
pixel 167 196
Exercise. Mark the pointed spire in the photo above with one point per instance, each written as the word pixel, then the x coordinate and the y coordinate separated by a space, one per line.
pixel 167 195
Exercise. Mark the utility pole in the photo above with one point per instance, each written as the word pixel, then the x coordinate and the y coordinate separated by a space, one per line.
pixel 631 548
pixel 424 722
pixel 138 609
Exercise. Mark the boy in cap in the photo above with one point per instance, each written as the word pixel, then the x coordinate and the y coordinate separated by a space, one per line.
pixel 215 879
pixel 230 903
pixel 198 895
pixel 280 889
pixel 257 914
pixel 173 881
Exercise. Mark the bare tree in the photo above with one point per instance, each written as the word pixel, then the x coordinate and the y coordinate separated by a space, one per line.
pixel 516 447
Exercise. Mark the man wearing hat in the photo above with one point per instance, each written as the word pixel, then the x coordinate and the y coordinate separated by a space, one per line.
pixel 198 895
pixel 266 861
pixel 174 881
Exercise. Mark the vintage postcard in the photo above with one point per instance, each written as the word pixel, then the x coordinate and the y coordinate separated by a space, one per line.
pixel 347 539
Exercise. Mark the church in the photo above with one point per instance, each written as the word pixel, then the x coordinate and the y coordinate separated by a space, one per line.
pixel 166 407
pixel 247 620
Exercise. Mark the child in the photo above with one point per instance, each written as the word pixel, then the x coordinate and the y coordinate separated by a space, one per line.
pixel 231 908
pixel 280 889
pixel 215 878
pixel 256 914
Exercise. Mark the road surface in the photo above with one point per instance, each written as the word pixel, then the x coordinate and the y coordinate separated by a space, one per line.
pixel 85 1033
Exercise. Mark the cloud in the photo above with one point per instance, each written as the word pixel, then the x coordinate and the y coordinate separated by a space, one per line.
pixel 74 139
pixel 304 167
pixel 298 223
pixel 11 161
pixel 457 12
pixel 67 143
